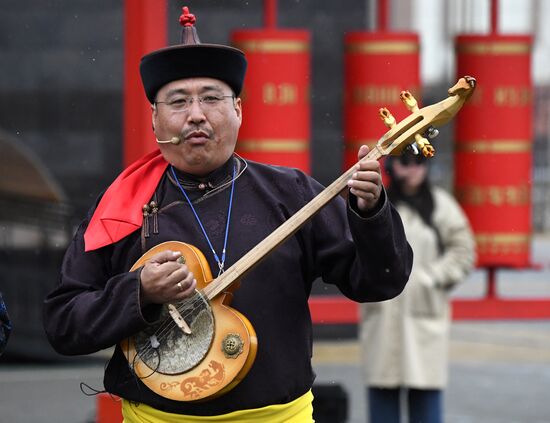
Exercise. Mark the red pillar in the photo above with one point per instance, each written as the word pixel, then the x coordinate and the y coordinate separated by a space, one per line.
pixel 276 126
pixel 144 31
pixel 378 66
pixel 494 147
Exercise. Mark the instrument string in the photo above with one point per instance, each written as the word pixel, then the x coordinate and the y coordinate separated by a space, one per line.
pixel 168 323
pixel 185 308
pixel 188 304
pixel 153 371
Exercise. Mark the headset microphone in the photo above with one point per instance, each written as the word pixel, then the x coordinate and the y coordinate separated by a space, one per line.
pixel 173 140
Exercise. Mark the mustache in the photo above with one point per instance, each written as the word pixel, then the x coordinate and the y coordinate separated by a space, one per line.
pixel 188 132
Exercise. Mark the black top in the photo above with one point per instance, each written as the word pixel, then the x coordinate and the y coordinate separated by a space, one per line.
pixel 5 325
pixel 96 303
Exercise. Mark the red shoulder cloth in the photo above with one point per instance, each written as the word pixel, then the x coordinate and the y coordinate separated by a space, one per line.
pixel 119 212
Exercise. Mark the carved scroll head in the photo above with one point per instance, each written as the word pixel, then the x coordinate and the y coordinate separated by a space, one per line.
pixel 464 87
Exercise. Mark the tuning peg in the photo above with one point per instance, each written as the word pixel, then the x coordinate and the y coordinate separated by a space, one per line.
pixel 432 132
pixel 409 101
pixel 386 117
pixel 427 149
pixel 412 148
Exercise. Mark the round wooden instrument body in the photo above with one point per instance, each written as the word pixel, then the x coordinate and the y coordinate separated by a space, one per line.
pixel 204 364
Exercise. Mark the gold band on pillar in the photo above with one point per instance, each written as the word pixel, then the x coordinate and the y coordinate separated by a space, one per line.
pixel 497 243
pixel 273 46
pixel 382 47
pixel 494 146
pixel 518 195
pixel 495 47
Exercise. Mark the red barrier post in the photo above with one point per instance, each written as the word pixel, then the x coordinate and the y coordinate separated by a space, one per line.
pixel 144 31
pixel 108 409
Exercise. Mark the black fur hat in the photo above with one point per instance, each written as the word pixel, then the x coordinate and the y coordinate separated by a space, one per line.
pixel 192 59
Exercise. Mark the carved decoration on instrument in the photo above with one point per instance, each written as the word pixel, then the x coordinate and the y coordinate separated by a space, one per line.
pixel 213 375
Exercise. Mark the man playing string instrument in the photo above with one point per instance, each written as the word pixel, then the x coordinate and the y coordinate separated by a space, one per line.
pixel 197 190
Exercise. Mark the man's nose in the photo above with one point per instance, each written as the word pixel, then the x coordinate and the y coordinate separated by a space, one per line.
pixel 195 112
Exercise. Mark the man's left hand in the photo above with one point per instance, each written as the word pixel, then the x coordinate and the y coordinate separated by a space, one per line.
pixel 366 182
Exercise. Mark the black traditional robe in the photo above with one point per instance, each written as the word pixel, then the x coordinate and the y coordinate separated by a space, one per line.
pixel 96 304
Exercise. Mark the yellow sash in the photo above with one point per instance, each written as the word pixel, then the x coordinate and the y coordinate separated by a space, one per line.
pixel 298 411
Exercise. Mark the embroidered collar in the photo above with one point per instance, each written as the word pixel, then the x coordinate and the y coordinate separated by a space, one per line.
pixel 202 187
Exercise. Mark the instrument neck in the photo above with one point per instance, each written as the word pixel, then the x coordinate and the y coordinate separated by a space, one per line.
pixel 283 232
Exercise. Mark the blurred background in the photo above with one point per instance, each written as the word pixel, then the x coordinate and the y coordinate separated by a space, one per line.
pixel 73 115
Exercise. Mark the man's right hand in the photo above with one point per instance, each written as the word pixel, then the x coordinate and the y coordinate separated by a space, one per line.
pixel 164 280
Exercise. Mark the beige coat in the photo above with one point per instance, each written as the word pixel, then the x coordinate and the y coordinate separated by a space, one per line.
pixel 405 340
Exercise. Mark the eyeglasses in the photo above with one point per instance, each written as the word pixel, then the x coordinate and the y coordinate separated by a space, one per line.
pixel 182 104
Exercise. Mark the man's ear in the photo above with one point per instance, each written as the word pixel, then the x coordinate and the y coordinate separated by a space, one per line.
pixel 238 108
pixel 153 110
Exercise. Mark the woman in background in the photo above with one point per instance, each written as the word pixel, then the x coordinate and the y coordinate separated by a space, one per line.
pixel 405 340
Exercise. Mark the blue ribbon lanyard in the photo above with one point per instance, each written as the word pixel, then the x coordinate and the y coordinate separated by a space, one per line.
pixel 221 262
